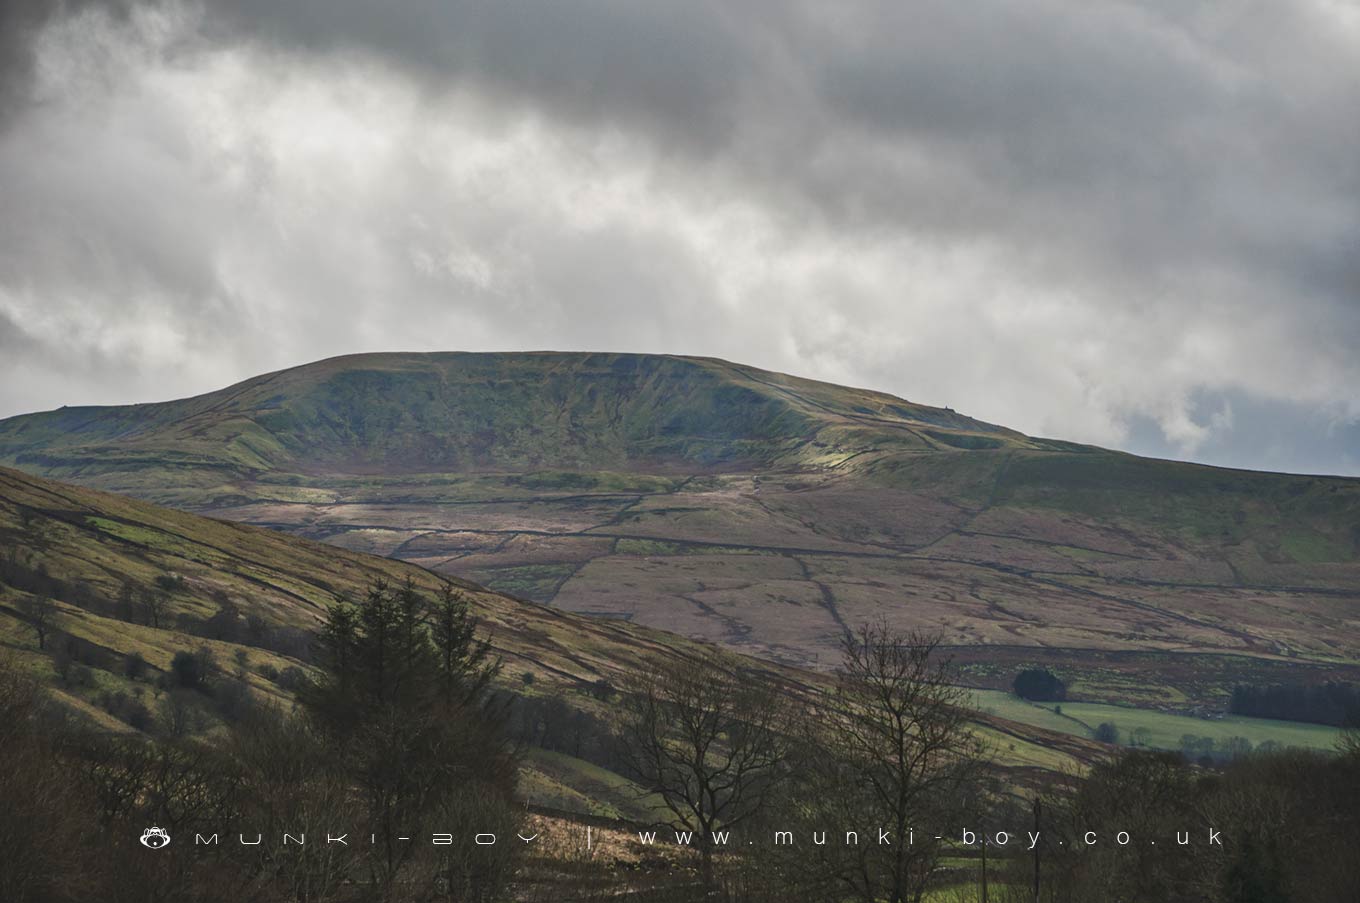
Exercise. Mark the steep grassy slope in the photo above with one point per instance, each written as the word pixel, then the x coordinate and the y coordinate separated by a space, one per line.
pixel 762 511
pixel 102 541
pixel 435 413
pixel 87 545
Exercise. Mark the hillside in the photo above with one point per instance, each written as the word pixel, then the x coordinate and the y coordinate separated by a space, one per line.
pixel 759 510
pixel 450 413
pixel 82 547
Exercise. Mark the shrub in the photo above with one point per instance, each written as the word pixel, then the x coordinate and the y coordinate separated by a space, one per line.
pixel 292 678
pixel 170 582
pixel 192 670
pixel 1039 685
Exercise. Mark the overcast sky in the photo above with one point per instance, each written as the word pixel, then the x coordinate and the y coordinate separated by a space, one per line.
pixel 1132 224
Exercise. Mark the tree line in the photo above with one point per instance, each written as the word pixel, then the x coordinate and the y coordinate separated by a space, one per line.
pixel 890 746
pixel 1337 704
pixel 396 733
pixel 402 728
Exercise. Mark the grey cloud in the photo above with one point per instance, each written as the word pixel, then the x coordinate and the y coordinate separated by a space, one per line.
pixel 1262 435
pixel 20 23
pixel 669 67
pixel 1120 142
pixel 1109 212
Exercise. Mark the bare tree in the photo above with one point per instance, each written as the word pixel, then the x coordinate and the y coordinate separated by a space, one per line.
pixel 40 611
pixel 43 817
pixel 155 604
pixel 890 751
pixel 289 783
pixel 180 714
pixel 711 743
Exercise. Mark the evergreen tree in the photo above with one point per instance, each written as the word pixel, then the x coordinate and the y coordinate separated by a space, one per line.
pixel 403 694
pixel 465 663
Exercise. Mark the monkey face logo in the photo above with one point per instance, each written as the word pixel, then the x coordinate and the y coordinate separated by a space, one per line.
pixel 155 838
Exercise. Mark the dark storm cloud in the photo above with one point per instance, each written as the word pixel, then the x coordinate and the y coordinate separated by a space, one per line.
pixel 1078 220
pixel 1128 143
pixel 670 67
pixel 1147 134
pixel 20 22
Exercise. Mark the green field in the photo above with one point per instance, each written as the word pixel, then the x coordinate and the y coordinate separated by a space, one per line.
pixel 1164 729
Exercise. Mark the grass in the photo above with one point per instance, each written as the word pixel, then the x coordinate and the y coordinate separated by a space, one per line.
pixel 564 782
pixel 994 537
pixel 968 891
pixel 530 581
pixel 97 542
pixel 1313 548
pixel 1164 729
pixel 1012 752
